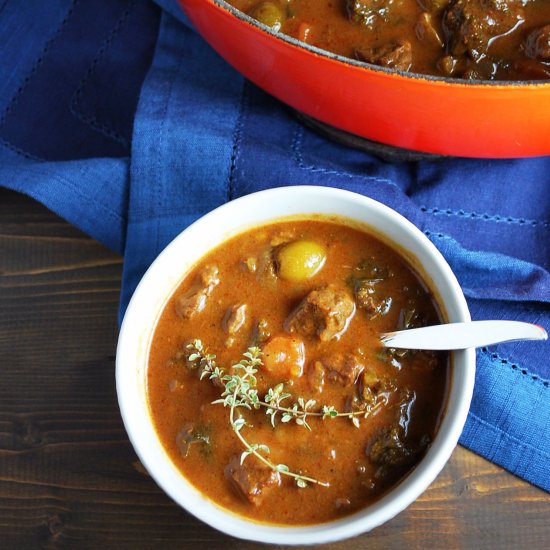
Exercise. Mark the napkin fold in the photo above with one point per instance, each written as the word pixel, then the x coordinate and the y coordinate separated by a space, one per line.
pixel 131 129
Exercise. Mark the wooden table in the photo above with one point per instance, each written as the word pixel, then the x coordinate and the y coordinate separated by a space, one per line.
pixel 69 477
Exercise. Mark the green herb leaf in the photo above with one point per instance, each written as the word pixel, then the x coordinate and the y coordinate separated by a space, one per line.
pixel 263 448
pixel 244 454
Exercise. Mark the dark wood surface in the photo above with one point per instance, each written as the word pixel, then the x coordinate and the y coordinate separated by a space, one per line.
pixel 69 477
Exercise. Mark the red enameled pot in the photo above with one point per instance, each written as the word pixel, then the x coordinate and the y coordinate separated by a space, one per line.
pixel 421 113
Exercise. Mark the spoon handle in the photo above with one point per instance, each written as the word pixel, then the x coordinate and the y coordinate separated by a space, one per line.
pixel 452 336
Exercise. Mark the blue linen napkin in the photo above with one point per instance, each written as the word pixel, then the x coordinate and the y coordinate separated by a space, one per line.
pixel 75 72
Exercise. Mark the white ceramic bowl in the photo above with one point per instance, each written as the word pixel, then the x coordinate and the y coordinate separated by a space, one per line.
pixel 164 276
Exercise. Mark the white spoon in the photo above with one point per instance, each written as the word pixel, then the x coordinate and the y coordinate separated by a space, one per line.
pixel 474 334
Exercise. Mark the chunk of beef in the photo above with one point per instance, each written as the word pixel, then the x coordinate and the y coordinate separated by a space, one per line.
pixel 343 368
pixel 325 313
pixel 471 25
pixel 194 300
pixel 250 481
pixel 368 12
pixel 537 44
pixel 234 318
pixel 393 56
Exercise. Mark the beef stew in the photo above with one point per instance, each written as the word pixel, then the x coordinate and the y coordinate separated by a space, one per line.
pixel 268 386
pixel 469 39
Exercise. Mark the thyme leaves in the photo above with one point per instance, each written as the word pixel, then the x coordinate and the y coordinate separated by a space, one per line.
pixel 240 392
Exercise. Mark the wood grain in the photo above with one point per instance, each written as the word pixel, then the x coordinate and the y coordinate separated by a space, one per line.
pixel 68 475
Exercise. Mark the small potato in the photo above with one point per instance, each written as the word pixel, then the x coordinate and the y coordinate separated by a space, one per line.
pixel 284 356
pixel 300 260
pixel 270 14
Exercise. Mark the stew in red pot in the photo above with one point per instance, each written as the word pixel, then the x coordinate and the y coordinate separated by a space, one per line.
pixel 469 39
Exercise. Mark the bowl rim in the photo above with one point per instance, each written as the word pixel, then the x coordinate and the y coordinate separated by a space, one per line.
pixel 133 349
pixel 532 83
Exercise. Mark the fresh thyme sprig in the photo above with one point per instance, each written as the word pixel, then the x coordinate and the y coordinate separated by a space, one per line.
pixel 240 392
pixel 299 411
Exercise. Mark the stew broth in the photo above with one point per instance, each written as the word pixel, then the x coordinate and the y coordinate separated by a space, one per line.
pixel 255 292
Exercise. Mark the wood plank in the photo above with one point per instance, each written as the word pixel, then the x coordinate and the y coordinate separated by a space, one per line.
pixel 69 477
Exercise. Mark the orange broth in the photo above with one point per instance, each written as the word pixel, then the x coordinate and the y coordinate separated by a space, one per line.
pixel 335 451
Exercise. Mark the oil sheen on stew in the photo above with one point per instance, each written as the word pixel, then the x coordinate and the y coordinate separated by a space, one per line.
pixel 308 298
pixel 470 39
